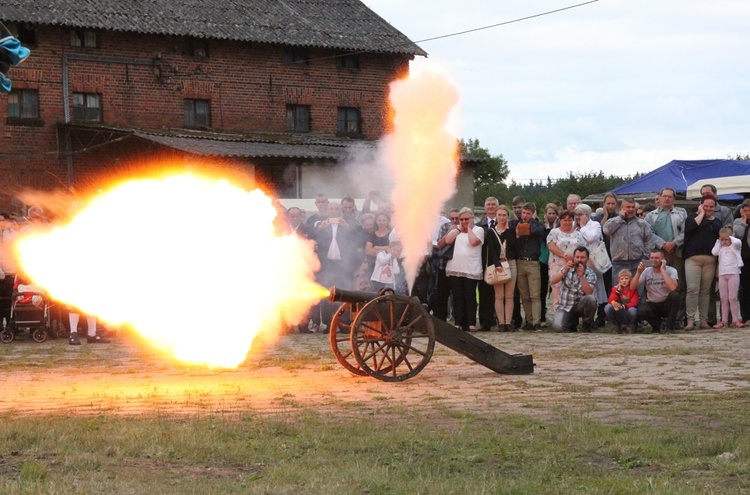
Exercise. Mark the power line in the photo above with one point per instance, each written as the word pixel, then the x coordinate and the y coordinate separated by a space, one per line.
pixel 459 33
pixel 505 23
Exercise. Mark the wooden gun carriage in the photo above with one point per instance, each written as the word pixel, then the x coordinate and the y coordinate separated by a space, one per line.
pixel 392 338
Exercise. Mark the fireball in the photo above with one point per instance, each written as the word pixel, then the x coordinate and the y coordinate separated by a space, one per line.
pixel 192 263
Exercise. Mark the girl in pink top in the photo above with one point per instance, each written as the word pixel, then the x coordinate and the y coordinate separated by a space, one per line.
pixel 727 248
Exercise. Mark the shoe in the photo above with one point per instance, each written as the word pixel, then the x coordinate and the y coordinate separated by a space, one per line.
pixel 738 324
pixel 527 326
pixel 98 339
pixel 586 328
pixel 720 325
pixel 705 326
pixel 621 328
pixel 314 328
pixel 537 327
pixel 472 328
pixel 74 340
pixel 669 330
pixel 543 324
pixel 689 326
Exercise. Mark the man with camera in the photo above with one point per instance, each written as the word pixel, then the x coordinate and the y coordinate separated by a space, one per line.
pixel 577 299
pixel 668 232
pixel 662 299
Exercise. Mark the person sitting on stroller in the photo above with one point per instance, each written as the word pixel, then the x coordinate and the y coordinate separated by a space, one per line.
pixel 27 293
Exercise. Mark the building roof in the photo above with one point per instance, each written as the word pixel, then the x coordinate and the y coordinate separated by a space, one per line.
pixel 257 145
pixel 300 148
pixel 335 24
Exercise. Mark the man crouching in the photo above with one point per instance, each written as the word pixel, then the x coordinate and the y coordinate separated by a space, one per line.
pixel 576 294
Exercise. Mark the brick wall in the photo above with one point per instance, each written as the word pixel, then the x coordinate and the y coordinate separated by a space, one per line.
pixel 143 80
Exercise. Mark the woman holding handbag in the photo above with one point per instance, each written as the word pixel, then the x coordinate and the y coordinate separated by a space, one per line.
pixel 592 234
pixel 562 242
pixel 501 252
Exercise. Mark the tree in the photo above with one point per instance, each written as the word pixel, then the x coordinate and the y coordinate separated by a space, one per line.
pixel 542 192
pixel 740 156
pixel 489 174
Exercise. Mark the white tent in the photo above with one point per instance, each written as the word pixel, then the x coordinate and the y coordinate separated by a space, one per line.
pixel 733 184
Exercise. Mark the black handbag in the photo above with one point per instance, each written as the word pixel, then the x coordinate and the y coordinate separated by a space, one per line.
pixel 446 253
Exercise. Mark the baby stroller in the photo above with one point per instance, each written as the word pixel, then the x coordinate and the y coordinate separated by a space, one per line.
pixel 30 313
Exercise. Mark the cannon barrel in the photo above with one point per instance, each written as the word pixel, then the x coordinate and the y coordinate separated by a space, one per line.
pixel 350 296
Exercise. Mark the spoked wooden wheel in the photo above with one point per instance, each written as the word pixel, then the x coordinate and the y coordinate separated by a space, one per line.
pixel 392 338
pixel 341 342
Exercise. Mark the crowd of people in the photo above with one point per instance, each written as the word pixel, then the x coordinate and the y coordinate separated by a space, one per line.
pixel 625 265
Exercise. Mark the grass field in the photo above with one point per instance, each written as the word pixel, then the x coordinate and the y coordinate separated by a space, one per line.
pixel 602 414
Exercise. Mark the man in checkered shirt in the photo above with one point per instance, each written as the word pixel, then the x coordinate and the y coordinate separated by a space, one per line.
pixel 577 299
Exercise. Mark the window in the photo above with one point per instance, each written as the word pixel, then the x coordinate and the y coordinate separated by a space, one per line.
pixel 86 39
pixel 197 113
pixel 350 121
pixel 87 107
pixel 23 106
pixel 296 56
pixel 298 118
pixel 25 34
pixel 196 48
pixel 347 62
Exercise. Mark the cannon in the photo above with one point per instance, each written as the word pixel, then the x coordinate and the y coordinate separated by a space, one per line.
pixel 392 337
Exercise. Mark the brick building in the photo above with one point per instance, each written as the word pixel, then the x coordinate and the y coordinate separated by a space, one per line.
pixel 284 90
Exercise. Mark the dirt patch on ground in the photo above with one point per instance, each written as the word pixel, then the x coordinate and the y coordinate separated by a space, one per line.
pixel 604 372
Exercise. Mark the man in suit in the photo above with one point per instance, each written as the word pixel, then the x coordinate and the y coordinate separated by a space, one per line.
pixel 486 291
pixel 336 250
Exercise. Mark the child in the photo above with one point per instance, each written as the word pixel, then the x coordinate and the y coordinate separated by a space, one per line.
pixel 727 248
pixel 622 303
pixel 386 267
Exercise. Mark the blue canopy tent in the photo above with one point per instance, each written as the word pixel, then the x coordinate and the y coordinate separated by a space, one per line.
pixel 679 174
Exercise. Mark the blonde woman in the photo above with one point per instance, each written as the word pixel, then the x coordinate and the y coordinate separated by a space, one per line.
pixel 501 246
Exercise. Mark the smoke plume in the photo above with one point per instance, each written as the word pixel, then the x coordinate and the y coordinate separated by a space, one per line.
pixel 423 157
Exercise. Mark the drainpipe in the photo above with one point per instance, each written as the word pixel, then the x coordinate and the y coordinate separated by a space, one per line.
pixel 66 95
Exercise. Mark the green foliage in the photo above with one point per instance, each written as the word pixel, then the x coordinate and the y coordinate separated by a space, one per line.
pixel 740 156
pixel 542 192
pixel 490 174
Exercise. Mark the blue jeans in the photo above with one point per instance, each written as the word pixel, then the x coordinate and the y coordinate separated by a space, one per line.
pixel 621 317
pixel 567 321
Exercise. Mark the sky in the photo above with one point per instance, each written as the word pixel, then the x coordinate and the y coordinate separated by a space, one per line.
pixel 619 86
